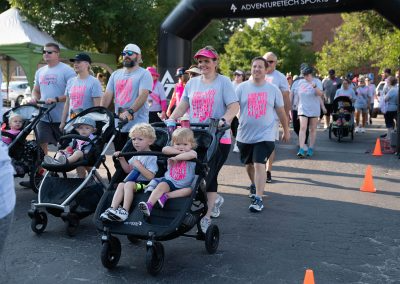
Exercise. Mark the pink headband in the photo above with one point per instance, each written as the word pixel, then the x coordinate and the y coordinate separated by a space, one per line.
pixel 206 53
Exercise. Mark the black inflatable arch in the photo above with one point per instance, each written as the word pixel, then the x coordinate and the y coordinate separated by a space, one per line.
pixel 190 17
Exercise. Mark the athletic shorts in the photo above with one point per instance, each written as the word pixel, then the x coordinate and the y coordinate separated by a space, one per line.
pixel 390 117
pixel 172 187
pixel 329 108
pixel 362 109
pixel 255 153
pixel 48 132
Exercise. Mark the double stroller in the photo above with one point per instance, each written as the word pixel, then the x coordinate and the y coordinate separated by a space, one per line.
pixel 73 199
pixel 26 154
pixel 178 216
pixel 342 124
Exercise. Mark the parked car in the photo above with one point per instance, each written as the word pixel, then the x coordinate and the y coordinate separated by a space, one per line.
pixel 17 91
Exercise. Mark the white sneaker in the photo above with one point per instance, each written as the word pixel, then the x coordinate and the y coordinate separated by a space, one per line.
pixel 108 214
pixel 362 130
pixel 357 129
pixel 215 212
pixel 204 224
pixel 121 213
pixel 236 148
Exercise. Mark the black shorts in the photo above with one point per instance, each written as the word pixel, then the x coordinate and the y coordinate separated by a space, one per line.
pixel 390 118
pixel 48 132
pixel 255 153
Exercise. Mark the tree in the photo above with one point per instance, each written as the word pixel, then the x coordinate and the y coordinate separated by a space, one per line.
pixel 279 35
pixel 364 39
pixel 100 25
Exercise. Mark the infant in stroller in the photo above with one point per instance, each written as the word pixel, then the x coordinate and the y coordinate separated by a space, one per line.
pixel 77 149
pixel 343 114
pixel 15 122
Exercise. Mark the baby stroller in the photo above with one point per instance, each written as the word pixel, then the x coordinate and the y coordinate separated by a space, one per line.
pixel 178 216
pixel 26 154
pixel 342 124
pixel 73 199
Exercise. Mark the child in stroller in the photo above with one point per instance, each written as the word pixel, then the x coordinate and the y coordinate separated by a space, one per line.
pixel 180 173
pixel 15 122
pixel 141 170
pixel 342 118
pixel 77 149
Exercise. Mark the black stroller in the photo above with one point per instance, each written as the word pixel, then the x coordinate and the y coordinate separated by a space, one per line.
pixel 178 216
pixel 342 124
pixel 26 154
pixel 73 199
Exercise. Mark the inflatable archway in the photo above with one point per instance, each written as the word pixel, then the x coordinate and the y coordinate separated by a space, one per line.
pixel 190 17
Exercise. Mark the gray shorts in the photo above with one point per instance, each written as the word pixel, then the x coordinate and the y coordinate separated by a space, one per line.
pixel 48 132
pixel 362 109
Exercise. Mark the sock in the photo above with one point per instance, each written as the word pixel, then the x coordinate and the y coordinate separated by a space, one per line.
pixel 150 206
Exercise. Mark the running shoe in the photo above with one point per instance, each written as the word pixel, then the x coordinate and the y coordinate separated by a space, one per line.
pixel 106 215
pixel 362 129
pixel 215 212
pixel 145 208
pixel 357 129
pixel 257 205
pixel 301 153
pixel 310 152
pixel 121 213
pixel 236 148
pixel 269 178
pixel 204 224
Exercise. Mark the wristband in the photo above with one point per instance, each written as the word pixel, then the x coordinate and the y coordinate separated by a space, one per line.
pixel 131 112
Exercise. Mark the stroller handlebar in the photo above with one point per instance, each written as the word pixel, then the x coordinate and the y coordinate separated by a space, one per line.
pixel 76 136
pixel 153 153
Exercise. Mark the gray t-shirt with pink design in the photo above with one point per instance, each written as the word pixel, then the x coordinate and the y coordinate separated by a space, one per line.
pixel 309 102
pixel 126 86
pixel 82 91
pixel 52 82
pixel 181 173
pixel 209 100
pixel 257 107
pixel 156 96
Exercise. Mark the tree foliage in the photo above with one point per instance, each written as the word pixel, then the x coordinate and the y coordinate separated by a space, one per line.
pixel 364 39
pixel 279 35
pixel 100 25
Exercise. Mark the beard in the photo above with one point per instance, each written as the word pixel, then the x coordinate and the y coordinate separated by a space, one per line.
pixel 129 63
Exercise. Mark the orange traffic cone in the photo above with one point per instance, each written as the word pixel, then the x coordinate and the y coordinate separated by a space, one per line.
pixel 377 150
pixel 368 185
pixel 309 277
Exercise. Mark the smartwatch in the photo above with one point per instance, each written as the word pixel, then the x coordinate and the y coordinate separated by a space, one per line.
pixel 131 112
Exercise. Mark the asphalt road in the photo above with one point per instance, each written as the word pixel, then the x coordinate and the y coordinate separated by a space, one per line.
pixel 315 217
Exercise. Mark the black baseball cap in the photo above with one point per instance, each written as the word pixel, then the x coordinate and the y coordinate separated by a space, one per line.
pixel 331 72
pixel 81 57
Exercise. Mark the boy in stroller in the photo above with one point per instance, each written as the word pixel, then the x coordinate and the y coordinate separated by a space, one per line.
pixel 77 149
pixel 180 173
pixel 141 170
pixel 15 122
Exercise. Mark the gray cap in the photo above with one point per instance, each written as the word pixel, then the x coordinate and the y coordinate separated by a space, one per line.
pixel 85 120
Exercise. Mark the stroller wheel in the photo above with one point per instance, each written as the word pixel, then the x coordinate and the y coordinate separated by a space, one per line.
pixel 133 240
pixel 155 258
pixel 39 222
pixel 71 224
pixel 35 178
pixel 111 252
pixel 212 239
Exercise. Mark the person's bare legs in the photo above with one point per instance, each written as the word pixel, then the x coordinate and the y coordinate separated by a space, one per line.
pixel 81 172
pixel 364 119
pixel 313 131
pixel 129 193
pixel 75 157
pixel 211 197
pixel 357 118
pixel 45 148
pixel 161 188
pixel 182 192
pixel 118 195
pixel 302 131
pixel 259 178
pixel 250 172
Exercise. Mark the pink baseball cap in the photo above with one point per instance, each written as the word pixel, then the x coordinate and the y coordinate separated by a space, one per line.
pixel 206 53
pixel 153 71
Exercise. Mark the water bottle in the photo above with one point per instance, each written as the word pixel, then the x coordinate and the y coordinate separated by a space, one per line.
pixel 132 176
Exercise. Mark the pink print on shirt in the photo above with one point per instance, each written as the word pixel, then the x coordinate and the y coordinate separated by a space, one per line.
pixel 178 170
pixel 123 91
pixel 76 95
pixel 257 105
pixel 202 104
pixel 48 79
pixel 305 88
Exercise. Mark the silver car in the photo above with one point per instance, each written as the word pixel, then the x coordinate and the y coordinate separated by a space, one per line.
pixel 17 91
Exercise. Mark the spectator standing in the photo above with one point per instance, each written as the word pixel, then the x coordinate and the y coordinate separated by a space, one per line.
pixel 193 71
pixel 130 88
pixel 370 84
pixel 362 104
pixel 309 90
pixel 329 86
pixel 210 95
pixel 178 91
pixel 392 101
pixel 256 133
pixel 157 99
pixel 279 80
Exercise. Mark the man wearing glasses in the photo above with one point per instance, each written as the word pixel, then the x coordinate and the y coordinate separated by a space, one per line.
pixel 130 87
pixel 279 80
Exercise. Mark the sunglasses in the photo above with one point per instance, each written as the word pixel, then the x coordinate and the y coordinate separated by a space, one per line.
pixel 128 52
pixel 48 51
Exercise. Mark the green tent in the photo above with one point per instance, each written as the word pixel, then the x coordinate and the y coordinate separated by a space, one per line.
pixel 23 42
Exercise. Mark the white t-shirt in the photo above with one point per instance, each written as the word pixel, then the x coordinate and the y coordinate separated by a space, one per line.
pixel 257 107
pixel 209 100
pixel 126 86
pixel 309 102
